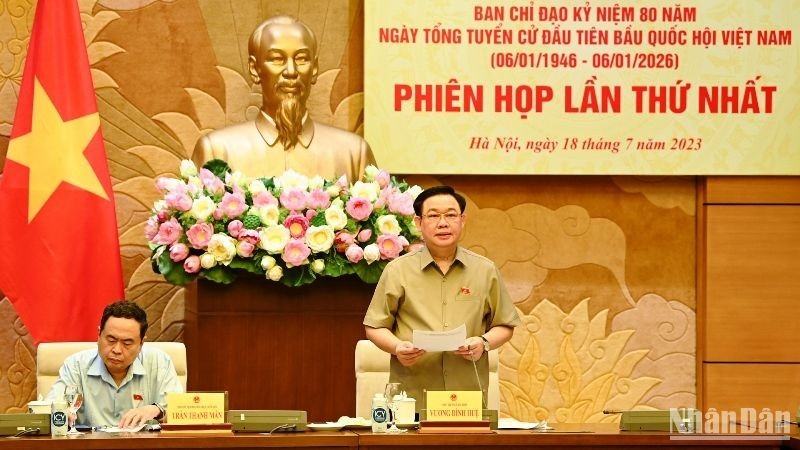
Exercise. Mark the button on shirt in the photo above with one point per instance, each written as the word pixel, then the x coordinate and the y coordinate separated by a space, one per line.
pixel 413 294
pixel 150 377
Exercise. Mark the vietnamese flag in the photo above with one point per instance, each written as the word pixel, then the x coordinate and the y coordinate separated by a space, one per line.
pixel 59 251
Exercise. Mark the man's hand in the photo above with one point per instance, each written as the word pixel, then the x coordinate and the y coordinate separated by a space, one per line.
pixel 138 416
pixel 472 349
pixel 407 354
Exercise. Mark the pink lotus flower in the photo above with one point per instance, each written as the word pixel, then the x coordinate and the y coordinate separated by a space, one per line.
pixel 319 199
pixel 354 254
pixel 211 182
pixel 169 232
pixel 364 235
pixel 233 204
pixel 294 199
pixel 382 178
pixel 264 198
pixel 250 236
pixel 192 264
pixel 390 245
pixel 245 249
pixel 199 234
pixel 179 201
pixel 295 253
pixel 359 208
pixel 311 213
pixel 151 228
pixel 235 227
pixel 383 197
pixel 297 224
pixel 178 252
pixel 342 241
pixel 400 203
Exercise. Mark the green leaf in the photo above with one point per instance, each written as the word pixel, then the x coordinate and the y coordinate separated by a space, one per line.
pixel 173 272
pixel 370 273
pixel 248 264
pixel 218 167
pixel 337 266
pixel 298 276
pixel 220 274
pixel 318 220
pixel 269 183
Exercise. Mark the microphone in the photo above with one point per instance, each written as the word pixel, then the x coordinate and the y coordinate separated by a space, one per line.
pixel 484 395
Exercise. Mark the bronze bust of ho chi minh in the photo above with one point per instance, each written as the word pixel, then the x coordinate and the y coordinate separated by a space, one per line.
pixel 283 59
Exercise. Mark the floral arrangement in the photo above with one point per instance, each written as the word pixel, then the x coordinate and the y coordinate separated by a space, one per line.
pixel 214 223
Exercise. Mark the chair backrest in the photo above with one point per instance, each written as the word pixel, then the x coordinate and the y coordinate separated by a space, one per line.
pixel 372 374
pixel 50 357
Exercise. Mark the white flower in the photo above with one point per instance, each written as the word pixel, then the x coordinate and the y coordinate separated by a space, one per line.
pixel 269 214
pixel 414 191
pixel 168 184
pixel 235 178
pixel 318 265
pixel 369 191
pixel 412 228
pixel 203 207
pixel 222 247
pixel 195 185
pixel 267 262
pixel 372 253
pixel 159 205
pixel 319 239
pixel 274 238
pixel 188 169
pixel 207 260
pixel 333 190
pixel 336 218
pixel 388 225
pixel 316 183
pixel 371 172
pixel 256 187
pixel 275 273
pixel 337 203
pixel 292 180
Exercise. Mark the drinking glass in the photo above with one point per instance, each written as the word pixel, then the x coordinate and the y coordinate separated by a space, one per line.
pixel 392 389
pixel 74 398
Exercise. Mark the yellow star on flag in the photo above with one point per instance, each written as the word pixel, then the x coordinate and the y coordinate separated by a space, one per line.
pixel 53 152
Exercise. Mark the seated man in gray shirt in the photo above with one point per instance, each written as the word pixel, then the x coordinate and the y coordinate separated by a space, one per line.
pixel 123 384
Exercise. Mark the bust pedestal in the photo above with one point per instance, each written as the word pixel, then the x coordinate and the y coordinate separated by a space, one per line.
pixel 276 347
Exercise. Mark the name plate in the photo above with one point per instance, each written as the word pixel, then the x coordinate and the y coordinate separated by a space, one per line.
pixel 196 408
pixel 454 405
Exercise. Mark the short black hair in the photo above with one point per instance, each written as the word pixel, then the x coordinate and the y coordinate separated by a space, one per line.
pixel 125 309
pixel 438 190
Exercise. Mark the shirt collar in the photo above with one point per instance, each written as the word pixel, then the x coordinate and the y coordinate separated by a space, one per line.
pixel 426 259
pixel 98 369
pixel 266 126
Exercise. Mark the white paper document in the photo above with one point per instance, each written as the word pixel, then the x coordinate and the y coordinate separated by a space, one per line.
pixel 508 423
pixel 133 429
pixel 440 341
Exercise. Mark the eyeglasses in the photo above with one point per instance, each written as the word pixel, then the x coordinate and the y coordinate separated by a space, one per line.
pixel 450 217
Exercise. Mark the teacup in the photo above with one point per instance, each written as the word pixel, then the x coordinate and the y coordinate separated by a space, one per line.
pixel 39 407
pixel 406 410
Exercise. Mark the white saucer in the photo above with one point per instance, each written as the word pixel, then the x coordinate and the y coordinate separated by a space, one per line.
pixel 325 426
pixel 354 423
pixel 406 425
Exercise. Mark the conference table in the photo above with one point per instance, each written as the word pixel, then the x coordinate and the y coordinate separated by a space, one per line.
pixel 564 436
